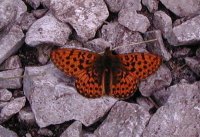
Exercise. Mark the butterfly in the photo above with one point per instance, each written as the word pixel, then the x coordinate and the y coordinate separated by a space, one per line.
pixel 111 74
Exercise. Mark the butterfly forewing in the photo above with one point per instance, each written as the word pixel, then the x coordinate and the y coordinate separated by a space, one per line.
pixel 79 64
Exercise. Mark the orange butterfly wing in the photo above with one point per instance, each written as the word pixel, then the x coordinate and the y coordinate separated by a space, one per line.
pixel 135 67
pixel 79 63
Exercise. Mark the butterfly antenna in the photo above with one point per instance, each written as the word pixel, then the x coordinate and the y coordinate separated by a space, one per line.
pixel 137 43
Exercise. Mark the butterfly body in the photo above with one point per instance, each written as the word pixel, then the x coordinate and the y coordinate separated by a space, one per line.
pixel 109 74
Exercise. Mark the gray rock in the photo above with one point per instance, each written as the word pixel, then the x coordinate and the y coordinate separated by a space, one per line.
pixel 160 79
pixel 124 120
pixel 186 33
pixel 158 46
pixel 11 42
pixel 89 135
pixel 21 8
pixel 45 132
pixel 98 45
pixel 163 22
pixel 26 116
pixel 182 7
pixel 161 96
pixel 74 130
pixel 11 78
pixel 13 107
pixel 146 103
pixel 122 38
pixel 43 53
pixel 84 16
pixel 180 116
pixel 47 30
pixel 2 105
pixel 28 135
pixel 12 62
pixel 34 3
pixel 54 101
pixel 115 5
pixel 134 5
pixel 194 64
pixel 198 52
pixel 152 5
pixel 27 20
pixel 4 132
pixel 5 95
pixel 133 21
pixel 181 52
pixel 39 13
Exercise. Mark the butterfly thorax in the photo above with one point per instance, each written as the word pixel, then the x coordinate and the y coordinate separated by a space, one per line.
pixel 108 68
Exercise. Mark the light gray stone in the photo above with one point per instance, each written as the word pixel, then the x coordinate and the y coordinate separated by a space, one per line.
pixel 163 22
pixel 74 130
pixel 180 116
pixel 146 103
pixel 21 8
pixel 2 104
pixel 27 20
pixel 12 62
pixel 43 53
pixel 152 5
pixel 194 64
pixel 158 46
pixel 26 116
pixel 4 132
pixel 160 79
pixel 124 120
pixel 186 33
pixel 115 5
pixel 122 38
pixel 45 132
pixel 47 30
pixel 161 96
pixel 5 95
pixel 11 78
pixel 133 21
pixel 39 13
pixel 34 3
pixel 85 16
pixel 11 42
pixel 134 5
pixel 54 101
pixel 182 7
pixel 13 107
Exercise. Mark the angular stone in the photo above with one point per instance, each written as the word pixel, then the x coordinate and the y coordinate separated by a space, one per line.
pixel 21 8
pixel 13 107
pixel 53 101
pixel 26 116
pixel 12 62
pixel 5 95
pixel 34 3
pixel 39 13
pixel 11 79
pixel 158 46
pixel 163 22
pixel 43 53
pixel 182 7
pixel 114 5
pixel 27 20
pixel 98 45
pixel 179 116
pixel 4 132
pixel 122 38
pixel 146 103
pixel 134 5
pixel 152 5
pixel 74 130
pixel 133 21
pixel 186 33
pixel 194 64
pixel 11 42
pixel 181 52
pixel 161 96
pixel 84 16
pixel 160 79
pixel 125 119
pixel 45 132
pixel 89 135
pixel 47 30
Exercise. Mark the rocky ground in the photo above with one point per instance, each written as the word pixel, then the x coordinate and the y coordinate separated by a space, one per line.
pixel 37 100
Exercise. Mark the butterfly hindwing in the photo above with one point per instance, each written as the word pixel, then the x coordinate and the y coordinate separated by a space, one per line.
pixel 140 65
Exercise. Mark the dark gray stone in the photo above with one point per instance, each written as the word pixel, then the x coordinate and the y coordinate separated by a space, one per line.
pixel 12 62
pixel 152 5
pixel 54 101
pixel 182 52
pixel 39 13
pixel 194 64
pixel 160 79
pixel 27 20
pixel 84 16
pixel 11 78
pixel 161 96
pixel 158 46
pixel 146 103
pixel 115 5
pixel 198 52
pixel 43 53
pixel 47 30
pixel 124 120
pixel 180 116
pixel 34 3
pixel 45 132
pixel 26 116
